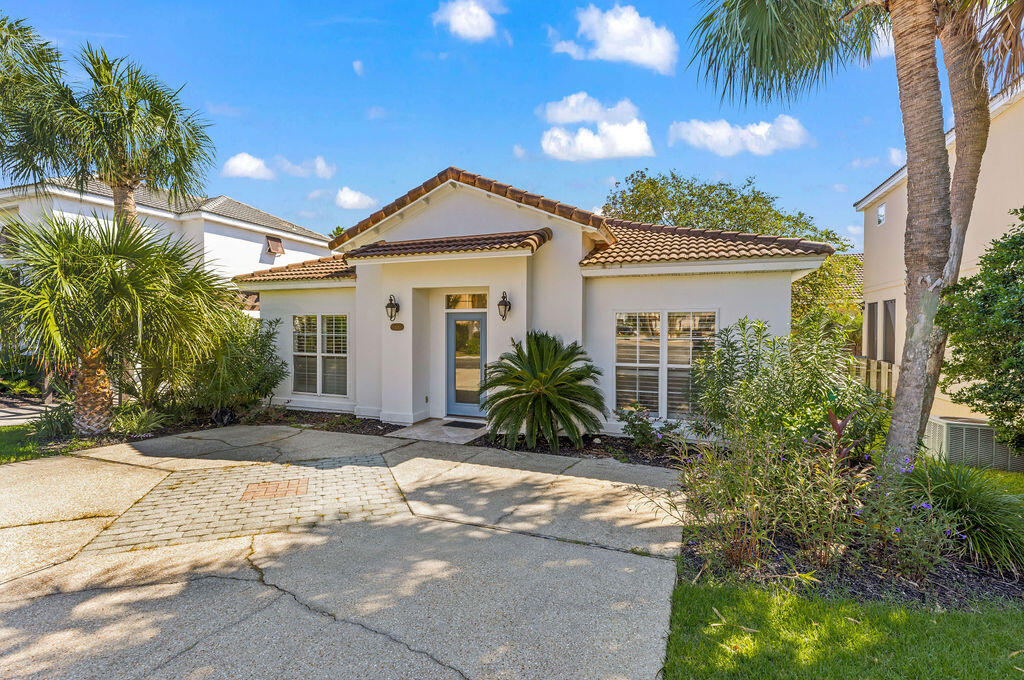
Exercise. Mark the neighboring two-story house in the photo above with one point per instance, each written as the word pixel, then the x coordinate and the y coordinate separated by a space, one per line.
pixel 1000 189
pixel 235 237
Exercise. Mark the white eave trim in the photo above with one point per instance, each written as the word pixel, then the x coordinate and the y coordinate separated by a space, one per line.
pixel 434 257
pixel 241 224
pixel 996 107
pixel 148 211
pixel 803 263
pixel 296 284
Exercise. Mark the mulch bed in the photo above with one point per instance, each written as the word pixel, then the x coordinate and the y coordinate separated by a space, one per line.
pixel 953 585
pixel 319 420
pixel 594 446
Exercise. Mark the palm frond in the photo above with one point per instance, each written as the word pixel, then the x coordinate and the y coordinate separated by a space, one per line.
pixel 542 388
pixel 779 49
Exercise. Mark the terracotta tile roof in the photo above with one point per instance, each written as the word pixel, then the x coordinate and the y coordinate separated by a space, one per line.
pixel 856 287
pixel 514 240
pixel 332 267
pixel 638 242
pixel 578 215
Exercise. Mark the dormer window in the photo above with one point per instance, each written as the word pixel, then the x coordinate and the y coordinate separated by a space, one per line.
pixel 275 246
pixel 881 215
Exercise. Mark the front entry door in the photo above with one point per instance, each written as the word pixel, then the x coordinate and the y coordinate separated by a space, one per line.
pixel 467 349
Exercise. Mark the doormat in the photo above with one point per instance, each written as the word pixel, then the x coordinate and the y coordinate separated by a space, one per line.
pixel 464 423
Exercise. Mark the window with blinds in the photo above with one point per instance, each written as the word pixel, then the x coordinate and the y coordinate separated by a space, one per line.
pixel 654 355
pixel 320 342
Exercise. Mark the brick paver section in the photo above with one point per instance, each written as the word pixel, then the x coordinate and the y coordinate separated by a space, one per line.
pixel 207 504
pixel 289 487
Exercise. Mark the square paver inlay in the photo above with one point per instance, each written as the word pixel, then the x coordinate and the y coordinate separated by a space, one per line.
pixel 289 487
pixel 212 503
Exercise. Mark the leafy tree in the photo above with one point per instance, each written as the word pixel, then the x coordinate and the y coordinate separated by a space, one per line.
pixel 542 388
pixel 92 291
pixel 25 58
pixel 779 50
pixel 670 198
pixel 123 127
pixel 984 316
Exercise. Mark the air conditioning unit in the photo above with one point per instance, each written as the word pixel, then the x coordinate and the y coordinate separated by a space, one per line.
pixel 969 441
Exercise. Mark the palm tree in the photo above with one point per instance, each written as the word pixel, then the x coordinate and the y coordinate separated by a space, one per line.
pixel 91 289
pixel 784 48
pixel 24 58
pixel 124 127
pixel 542 388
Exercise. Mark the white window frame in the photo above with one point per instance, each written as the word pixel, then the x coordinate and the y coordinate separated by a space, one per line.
pixel 662 365
pixel 880 213
pixel 320 353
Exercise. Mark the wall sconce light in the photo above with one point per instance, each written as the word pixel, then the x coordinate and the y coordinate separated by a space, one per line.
pixel 504 306
pixel 392 308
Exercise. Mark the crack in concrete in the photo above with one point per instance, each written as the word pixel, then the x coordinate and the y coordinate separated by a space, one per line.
pixel 222 629
pixel 56 521
pixel 326 613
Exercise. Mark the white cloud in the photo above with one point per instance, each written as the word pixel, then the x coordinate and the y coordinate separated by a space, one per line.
pixel 518 151
pixel 221 109
pixel 376 113
pixel 597 210
pixel 358 67
pixel 863 162
pixel 620 132
pixel 621 34
pixel 855 229
pixel 582 108
pixel 612 140
pixel 317 194
pixel 896 157
pixel 725 139
pixel 469 19
pixel 840 188
pixel 350 199
pixel 881 43
pixel 315 166
pixel 246 165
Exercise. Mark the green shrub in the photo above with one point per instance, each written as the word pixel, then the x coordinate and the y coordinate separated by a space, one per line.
pixel 785 385
pixel 645 431
pixel 242 369
pixel 542 388
pixel 135 419
pixel 984 315
pixel 18 386
pixel 56 422
pixel 990 517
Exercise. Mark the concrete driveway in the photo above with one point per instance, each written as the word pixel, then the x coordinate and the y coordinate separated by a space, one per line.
pixel 276 552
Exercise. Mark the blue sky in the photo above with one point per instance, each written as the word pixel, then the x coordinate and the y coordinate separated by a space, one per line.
pixel 321 110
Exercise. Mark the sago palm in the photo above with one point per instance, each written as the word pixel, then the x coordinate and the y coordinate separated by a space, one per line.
pixel 123 127
pixel 89 290
pixel 783 48
pixel 543 387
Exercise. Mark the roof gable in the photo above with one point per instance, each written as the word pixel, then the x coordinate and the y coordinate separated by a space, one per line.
pixel 582 217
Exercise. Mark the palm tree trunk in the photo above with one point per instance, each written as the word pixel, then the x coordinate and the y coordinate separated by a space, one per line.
pixel 926 242
pixel 968 89
pixel 124 203
pixel 93 395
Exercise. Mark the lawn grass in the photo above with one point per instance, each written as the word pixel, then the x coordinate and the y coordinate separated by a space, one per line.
pixel 1014 480
pixel 801 637
pixel 16 443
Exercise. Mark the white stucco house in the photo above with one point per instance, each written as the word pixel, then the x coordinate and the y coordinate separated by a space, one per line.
pixel 235 237
pixel 641 298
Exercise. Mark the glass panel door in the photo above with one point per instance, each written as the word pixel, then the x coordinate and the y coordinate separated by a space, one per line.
pixel 467 349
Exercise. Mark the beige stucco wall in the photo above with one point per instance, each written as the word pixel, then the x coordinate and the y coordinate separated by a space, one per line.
pixel 283 304
pixel 764 296
pixel 1000 188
